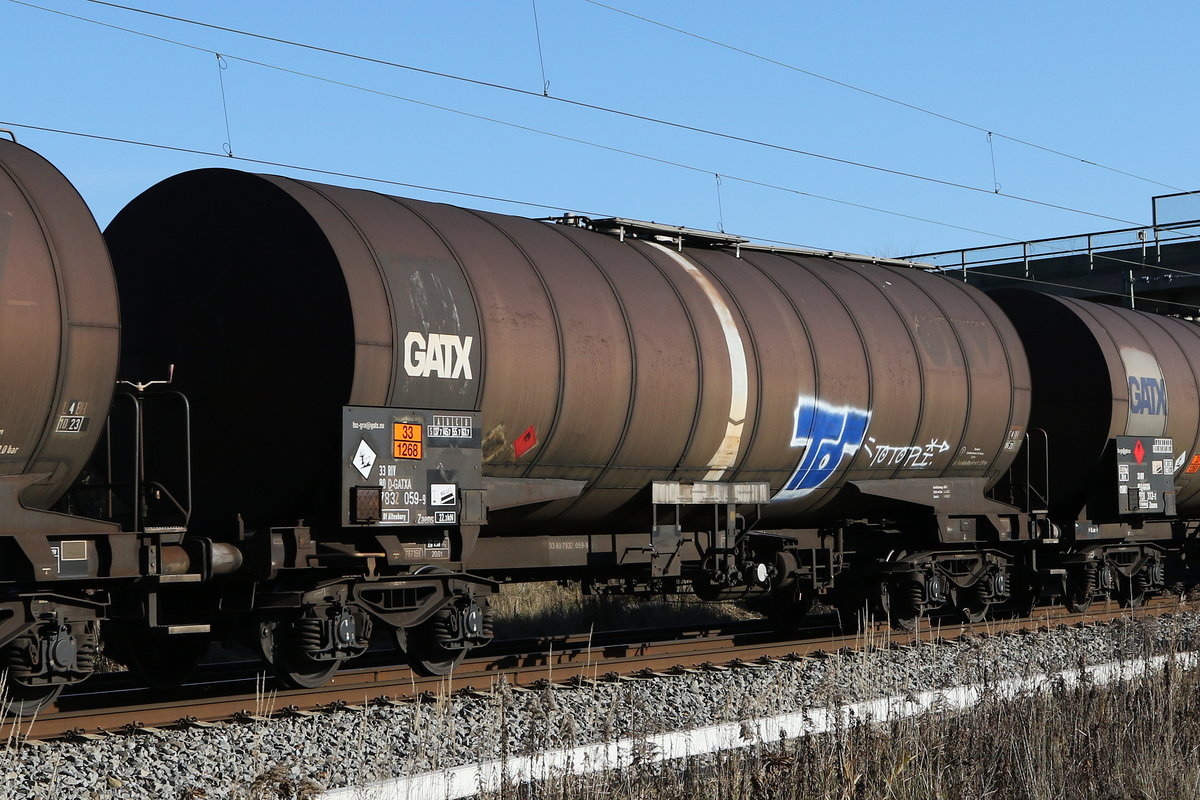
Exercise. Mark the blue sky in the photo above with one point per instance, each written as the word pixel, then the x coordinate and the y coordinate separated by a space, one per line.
pixel 1106 82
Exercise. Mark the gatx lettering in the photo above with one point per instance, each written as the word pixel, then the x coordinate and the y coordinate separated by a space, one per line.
pixel 1147 396
pixel 442 354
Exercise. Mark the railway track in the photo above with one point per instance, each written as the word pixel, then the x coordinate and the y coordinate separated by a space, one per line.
pixel 222 696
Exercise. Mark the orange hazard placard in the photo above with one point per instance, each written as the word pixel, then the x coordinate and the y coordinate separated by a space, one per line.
pixel 1194 466
pixel 407 440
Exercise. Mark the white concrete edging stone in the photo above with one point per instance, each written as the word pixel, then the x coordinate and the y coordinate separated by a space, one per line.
pixel 471 779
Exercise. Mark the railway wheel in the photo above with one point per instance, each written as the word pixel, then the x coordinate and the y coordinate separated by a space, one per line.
pixel 282 647
pixel 853 608
pixel 896 604
pixel 25 700
pixel 1081 590
pixel 425 653
pixel 1027 595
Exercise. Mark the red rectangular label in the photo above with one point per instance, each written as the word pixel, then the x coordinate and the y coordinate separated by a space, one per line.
pixel 524 442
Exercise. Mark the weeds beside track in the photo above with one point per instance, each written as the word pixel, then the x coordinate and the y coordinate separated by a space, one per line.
pixel 562 660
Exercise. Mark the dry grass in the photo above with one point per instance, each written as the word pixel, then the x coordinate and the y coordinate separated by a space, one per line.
pixel 1133 741
pixel 527 610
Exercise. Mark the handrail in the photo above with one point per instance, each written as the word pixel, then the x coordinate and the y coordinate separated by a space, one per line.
pixel 139 485
pixel 1055 247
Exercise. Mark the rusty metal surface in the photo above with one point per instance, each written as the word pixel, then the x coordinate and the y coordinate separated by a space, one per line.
pixel 567 660
pixel 1102 372
pixel 891 373
pixel 591 359
pixel 58 322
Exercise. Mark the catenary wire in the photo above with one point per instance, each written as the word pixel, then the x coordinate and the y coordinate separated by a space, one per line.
pixel 299 73
pixel 880 96
pixel 626 152
pixel 478 196
pixel 355 176
pixel 530 129
pixel 283 165
pixel 586 105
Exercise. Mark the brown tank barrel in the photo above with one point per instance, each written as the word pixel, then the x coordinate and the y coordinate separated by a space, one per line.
pixel 59 327
pixel 591 358
pixel 1101 372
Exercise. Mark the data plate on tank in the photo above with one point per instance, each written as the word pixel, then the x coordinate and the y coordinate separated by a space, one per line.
pixel 408 467
pixel 1145 474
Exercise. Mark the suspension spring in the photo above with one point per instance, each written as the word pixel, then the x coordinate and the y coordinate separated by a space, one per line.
pixel 308 634
pixel 442 627
pixel 85 656
pixel 1090 581
pixel 1142 580
pixel 15 658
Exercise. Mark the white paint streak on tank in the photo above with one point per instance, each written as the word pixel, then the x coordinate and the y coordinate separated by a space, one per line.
pixel 727 452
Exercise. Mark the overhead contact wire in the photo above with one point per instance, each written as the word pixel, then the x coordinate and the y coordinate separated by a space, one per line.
pixel 590 106
pixel 529 204
pixel 529 129
pixel 876 95
pixel 625 152
pixel 301 168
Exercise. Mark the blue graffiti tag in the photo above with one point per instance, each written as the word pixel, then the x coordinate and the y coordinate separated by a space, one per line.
pixel 830 434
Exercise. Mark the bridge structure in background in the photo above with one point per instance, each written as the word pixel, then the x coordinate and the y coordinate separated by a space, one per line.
pixel 1154 268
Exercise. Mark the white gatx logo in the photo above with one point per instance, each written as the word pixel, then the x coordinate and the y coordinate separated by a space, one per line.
pixel 442 354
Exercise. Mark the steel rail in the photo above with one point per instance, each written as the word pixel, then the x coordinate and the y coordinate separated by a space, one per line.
pixel 571 661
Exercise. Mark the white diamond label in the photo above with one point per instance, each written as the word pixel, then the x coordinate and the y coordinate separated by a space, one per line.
pixel 364 458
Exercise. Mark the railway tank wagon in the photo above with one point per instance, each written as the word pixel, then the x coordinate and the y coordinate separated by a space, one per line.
pixel 1115 426
pixel 59 344
pixel 399 400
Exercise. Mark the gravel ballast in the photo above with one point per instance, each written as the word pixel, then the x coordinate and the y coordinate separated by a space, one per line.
pixel 291 756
